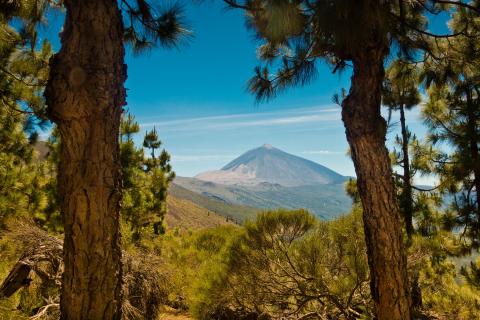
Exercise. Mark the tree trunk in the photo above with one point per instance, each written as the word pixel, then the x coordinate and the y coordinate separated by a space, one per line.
pixel 85 95
pixel 366 130
pixel 474 152
pixel 407 196
pixel 407 206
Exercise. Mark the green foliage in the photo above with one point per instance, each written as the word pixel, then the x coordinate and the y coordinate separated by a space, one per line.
pixel 50 218
pixel 23 74
pixel 287 263
pixel 147 25
pixel 184 255
pixel 444 292
pixel 472 274
pixel 237 213
pixel 352 190
pixel 146 181
pixel 401 86
pixel 298 33
pixel 283 263
pixel 23 179
pixel 452 115
pixel 151 141
pixel 409 155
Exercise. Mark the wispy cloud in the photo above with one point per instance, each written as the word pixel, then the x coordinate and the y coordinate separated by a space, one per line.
pixel 322 152
pixel 195 158
pixel 192 120
pixel 279 118
pixel 280 121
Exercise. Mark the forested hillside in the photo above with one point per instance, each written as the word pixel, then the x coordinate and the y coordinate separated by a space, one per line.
pixel 94 223
pixel 186 215
pixel 237 213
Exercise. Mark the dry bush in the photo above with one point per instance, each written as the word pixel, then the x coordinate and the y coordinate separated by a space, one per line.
pixel 40 267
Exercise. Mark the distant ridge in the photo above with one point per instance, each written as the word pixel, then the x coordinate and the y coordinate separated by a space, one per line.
pixel 267 164
pixel 235 212
pixel 326 201
pixel 186 215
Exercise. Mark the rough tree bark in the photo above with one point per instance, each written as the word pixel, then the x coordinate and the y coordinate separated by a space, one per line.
pixel 366 130
pixel 85 95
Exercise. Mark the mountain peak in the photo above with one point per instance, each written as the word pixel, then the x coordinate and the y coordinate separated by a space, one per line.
pixel 267 164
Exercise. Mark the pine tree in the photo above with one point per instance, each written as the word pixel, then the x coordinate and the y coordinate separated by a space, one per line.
pixel 23 71
pixel 85 95
pixel 298 33
pixel 146 181
pixel 160 174
pixel 128 127
pixel 401 93
pixel 472 274
pixel 131 158
pixel 51 217
pixel 152 142
pixel 452 114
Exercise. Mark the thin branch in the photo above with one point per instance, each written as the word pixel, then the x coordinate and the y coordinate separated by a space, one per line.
pixel 7 103
pixel 20 79
pixel 459 4
pixel 430 34
pixel 236 5
pixel 43 310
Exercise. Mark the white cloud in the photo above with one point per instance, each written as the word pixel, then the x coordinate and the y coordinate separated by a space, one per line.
pixel 280 121
pixel 191 120
pixel 195 158
pixel 322 152
pixel 279 118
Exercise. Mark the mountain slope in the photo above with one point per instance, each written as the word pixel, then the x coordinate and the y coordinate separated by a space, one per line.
pixel 216 204
pixel 325 201
pixel 267 178
pixel 267 164
pixel 186 215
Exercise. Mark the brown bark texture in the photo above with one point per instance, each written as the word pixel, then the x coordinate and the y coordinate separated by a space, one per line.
pixel 366 132
pixel 85 96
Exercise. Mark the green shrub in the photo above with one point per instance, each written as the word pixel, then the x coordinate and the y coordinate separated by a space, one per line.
pixel 287 263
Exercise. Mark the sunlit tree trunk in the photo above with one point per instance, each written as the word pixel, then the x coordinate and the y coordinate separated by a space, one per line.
pixel 85 95
pixel 366 132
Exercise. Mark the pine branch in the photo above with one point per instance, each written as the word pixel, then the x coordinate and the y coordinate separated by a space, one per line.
pixel 234 4
pixel 431 34
pixel 458 4
pixel 13 108
pixel 164 28
pixel 12 75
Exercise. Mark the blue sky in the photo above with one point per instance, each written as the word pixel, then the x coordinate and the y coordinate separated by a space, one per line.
pixel 196 98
